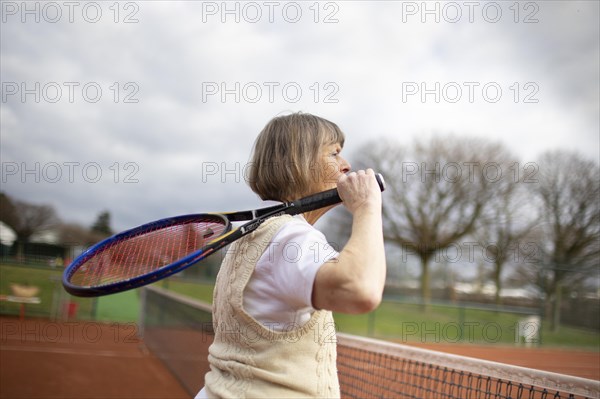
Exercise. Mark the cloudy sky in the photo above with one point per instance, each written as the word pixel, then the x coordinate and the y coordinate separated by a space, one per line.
pixel 149 108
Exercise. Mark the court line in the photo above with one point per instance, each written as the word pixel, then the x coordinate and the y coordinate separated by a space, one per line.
pixel 77 352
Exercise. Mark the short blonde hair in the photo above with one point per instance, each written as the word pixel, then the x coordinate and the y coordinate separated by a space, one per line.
pixel 286 153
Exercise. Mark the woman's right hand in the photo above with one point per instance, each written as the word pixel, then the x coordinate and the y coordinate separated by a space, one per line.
pixel 360 191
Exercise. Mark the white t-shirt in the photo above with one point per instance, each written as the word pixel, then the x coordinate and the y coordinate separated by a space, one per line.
pixel 279 293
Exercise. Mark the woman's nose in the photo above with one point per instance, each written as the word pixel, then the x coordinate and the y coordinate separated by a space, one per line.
pixel 345 166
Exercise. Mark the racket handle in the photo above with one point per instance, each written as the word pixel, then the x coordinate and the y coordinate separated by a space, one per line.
pixel 380 181
pixel 326 198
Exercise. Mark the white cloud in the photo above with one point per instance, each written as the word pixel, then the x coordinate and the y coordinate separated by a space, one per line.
pixel 169 56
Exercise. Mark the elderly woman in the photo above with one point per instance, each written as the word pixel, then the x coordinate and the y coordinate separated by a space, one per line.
pixel 277 287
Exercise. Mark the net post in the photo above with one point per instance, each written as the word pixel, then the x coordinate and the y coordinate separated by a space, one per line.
pixel 142 313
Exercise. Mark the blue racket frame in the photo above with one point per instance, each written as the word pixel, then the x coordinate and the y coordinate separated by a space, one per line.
pixel 150 277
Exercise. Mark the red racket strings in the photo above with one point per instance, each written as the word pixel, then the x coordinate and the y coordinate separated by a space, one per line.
pixel 145 252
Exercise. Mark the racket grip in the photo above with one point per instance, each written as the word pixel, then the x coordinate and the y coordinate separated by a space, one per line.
pixel 380 181
pixel 326 198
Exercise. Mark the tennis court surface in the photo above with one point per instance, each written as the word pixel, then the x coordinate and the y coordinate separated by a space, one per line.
pixel 44 359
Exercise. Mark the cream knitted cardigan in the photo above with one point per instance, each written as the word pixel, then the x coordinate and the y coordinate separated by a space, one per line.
pixel 249 360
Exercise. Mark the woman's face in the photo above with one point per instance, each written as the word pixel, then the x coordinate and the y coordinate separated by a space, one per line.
pixel 330 167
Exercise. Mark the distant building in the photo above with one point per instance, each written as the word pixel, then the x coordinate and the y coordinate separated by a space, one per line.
pixel 7 239
pixel 43 247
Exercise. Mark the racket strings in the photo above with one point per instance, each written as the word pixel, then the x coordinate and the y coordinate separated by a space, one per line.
pixel 146 252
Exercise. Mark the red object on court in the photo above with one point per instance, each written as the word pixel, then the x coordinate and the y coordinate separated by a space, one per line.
pixel 70 309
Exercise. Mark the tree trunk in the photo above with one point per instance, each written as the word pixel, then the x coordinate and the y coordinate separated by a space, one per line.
pixel 20 254
pixel 555 320
pixel 425 289
pixel 498 282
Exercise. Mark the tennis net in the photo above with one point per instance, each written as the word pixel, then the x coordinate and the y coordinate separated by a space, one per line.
pixel 179 331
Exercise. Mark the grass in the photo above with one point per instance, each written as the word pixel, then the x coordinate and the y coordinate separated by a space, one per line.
pixel 407 323
pixel 202 291
pixel 119 307
pixel 46 279
pixel 122 307
pixel 399 322
pixel 442 324
pixel 570 337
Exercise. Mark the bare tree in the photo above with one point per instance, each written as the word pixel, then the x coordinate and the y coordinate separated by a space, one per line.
pixel 437 191
pixel 8 212
pixel 569 246
pixel 506 221
pixel 71 234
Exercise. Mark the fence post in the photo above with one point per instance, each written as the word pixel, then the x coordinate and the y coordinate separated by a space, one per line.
pixel 371 324
pixel 142 315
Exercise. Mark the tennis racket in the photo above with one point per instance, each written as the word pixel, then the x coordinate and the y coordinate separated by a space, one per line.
pixel 158 249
